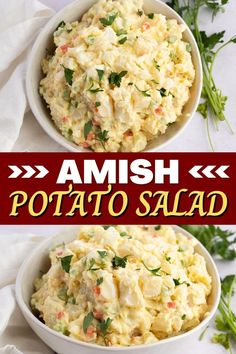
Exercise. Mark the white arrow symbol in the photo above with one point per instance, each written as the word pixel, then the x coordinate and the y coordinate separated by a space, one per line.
pixel 194 171
pixel 221 171
pixel 29 172
pixel 42 172
pixel 16 172
pixel 207 171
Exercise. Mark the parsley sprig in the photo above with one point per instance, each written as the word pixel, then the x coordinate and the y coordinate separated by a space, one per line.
pixel 213 100
pixel 66 262
pixel 217 241
pixel 116 78
pixel 109 20
pixel 226 320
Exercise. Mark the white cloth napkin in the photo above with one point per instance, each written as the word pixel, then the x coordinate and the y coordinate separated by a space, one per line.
pixel 20 22
pixel 13 326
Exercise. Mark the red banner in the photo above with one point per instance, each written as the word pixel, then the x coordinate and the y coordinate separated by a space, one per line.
pixel 147 188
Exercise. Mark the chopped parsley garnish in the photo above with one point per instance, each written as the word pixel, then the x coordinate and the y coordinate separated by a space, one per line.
pixel 183 317
pixel 140 13
pixel 168 259
pixel 123 234
pixel 164 92
pixel 65 263
pixel 153 271
pixel 178 282
pixel 87 128
pixel 130 84
pixel 104 325
pixel 99 281
pixel 94 90
pixel 151 16
pixel 92 263
pixel 157 228
pixel 100 74
pixel 121 32
pixel 88 319
pixel 109 20
pixel 123 40
pixel 97 104
pixel 116 78
pixel 68 75
pixel 70 132
pixel 61 25
pixel 102 254
pixel 102 137
pixel 119 262
pixel 180 249
pixel 156 65
pixel 106 227
pixel 145 93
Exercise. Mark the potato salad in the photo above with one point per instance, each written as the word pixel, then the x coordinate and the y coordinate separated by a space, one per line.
pixel 118 78
pixel 124 286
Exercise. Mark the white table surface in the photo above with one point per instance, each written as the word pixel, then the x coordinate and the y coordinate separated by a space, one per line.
pixel 192 345
pixel 194 138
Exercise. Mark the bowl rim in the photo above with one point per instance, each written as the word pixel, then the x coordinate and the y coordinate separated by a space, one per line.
pixel 28 314
pixel 55 134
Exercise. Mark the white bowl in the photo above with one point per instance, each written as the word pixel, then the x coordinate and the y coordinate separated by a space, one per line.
pixel 73 12
pixel 39 260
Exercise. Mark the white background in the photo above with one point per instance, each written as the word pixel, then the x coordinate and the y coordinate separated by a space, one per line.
pixel 194 138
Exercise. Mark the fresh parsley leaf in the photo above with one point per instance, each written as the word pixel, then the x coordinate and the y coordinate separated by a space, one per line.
pixel 121 32
pixel 227 285
pixel 157 228
pixel 106 227
pixel 61 25
pixel 140 13
pixel 104 325
pixel 65 263
pixel 100 74
pixel 151 16
pixel 156 65
pixel 203 109
pixel 99 281
pixel 94 90
pixel 145 93
pixel 123 234
pixel 88 319
pixel 119 262
pixel 164 92
pixel 102 254
pixel 109 20
pixel 183 317
pixel 116 78
pixel 123 40
pixel 222 339
pixel 153 271
pixel 92 263
pixel 102 137
pixel 68 75
pixel 178 282
pixel 87 128
pixel 97 104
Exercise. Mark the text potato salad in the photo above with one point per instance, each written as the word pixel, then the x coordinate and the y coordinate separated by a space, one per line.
pixel 118 78
pixel 124 285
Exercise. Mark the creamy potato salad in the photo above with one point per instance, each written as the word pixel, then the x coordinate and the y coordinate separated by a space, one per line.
pixel 118 78
pixel 123 286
